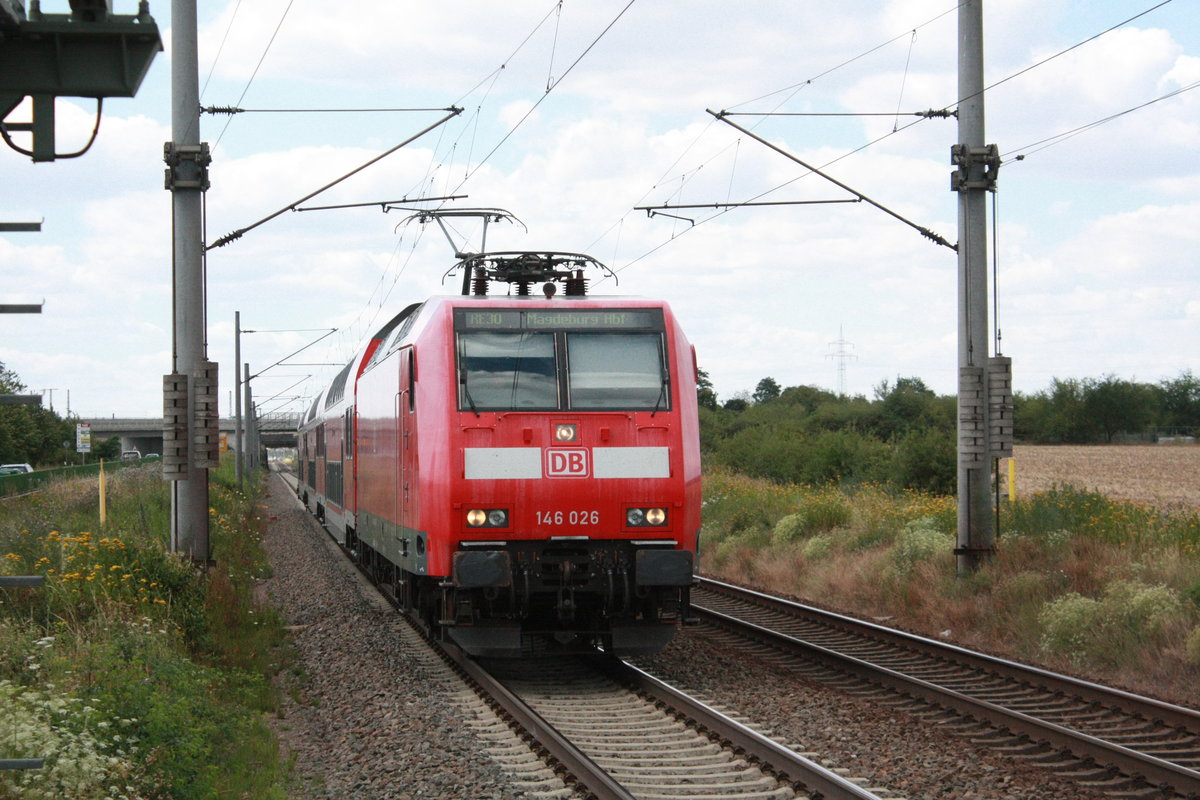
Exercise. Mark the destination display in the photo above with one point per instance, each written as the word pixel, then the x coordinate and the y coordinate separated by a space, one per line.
pixel 496 319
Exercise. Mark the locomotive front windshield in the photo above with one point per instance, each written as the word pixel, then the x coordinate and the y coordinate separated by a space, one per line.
pixel 577 360
pixel 507 371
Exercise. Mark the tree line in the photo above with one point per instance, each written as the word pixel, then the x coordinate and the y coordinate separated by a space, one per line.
pixel 905 436
pixel 29 434
pixel 36 435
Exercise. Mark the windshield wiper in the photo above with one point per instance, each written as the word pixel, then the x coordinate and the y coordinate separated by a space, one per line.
pixel 462 379
pixel 662 394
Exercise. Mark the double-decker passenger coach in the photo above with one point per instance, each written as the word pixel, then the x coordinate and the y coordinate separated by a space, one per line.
pixel 524 466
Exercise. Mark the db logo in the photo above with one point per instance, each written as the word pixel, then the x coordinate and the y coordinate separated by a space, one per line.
pixel 567 463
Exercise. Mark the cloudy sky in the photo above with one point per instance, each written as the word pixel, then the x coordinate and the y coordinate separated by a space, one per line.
pixel 576 113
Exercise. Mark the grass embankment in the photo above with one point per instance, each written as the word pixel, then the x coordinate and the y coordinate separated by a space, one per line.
pixel 1079 582
pixel 132 672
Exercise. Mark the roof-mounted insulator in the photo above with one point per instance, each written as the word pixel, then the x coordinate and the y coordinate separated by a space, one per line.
pixel 576 285
pixel 479 283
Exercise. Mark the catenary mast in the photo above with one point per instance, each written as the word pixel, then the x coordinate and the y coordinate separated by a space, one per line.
pixel 189 396
pixel 984 398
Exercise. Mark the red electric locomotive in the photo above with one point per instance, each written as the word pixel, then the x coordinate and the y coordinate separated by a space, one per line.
pixel 519 466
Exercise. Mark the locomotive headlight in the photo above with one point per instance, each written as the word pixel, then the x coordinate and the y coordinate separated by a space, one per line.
pixel 487 518
pixel 646 517
pixel 565 432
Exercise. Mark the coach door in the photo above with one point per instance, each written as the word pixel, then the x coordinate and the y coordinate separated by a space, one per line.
pixel 405 407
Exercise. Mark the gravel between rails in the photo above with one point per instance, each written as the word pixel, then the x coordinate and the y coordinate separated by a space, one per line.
pixel 367 714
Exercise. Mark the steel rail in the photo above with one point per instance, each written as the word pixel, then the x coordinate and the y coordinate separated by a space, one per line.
pixel 1166 713
pixel 783 763
pixel 1151 769
pixel 586 772
pixel 578 767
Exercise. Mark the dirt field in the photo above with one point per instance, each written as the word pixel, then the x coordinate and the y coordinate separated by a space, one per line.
pixel 1164 476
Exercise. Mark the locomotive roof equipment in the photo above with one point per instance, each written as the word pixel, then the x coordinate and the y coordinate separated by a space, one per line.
pixel 520 269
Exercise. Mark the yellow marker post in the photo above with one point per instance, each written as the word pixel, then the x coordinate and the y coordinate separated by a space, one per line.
pixel 1012 479
pixel 103 499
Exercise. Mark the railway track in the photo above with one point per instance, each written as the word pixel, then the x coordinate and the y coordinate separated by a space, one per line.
pixel 614 732
pixel 1114 741
pixel 623 734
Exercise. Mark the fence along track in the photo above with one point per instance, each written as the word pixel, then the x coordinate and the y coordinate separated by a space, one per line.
pixel 1151 744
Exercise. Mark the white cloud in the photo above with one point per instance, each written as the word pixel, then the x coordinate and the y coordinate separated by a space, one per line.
pixel 1096 232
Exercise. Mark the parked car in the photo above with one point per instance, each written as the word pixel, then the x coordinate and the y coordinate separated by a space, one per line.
pixel 130 455
pixel 15 469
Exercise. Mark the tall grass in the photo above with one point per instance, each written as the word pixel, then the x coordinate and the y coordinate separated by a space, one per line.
pixel 133 672
pixel 1078 581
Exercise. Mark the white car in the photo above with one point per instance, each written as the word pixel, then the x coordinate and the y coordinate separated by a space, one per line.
pixel 15 469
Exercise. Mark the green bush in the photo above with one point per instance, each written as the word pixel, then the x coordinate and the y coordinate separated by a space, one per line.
pixel 817 547
pixel 819 512
pixel 765 452
pixel 926 460
pixel 787 454
pixel 1131 617
pixel 845 457
pixel 791 528
pixel 1066 625
pixel 1142 613
pixel 918 542
pixel 826 511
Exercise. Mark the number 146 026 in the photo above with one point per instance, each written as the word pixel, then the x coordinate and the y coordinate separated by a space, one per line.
pixel 568 518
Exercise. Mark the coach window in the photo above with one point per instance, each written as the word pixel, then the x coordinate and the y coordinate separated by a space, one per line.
pixel 616 371
pixel 506 371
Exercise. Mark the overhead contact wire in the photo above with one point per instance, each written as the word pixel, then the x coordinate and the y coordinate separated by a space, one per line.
pixel 221 48
pixel 257 66
pixel 1059 138
pixel 794 89
pixel 541 99
pixel 1050 141
pixel 1063 52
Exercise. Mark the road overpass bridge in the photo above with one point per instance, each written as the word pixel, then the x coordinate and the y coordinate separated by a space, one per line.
pixel 146 433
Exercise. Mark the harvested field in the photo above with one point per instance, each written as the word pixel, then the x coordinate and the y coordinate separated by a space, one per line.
pixel 1163 476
